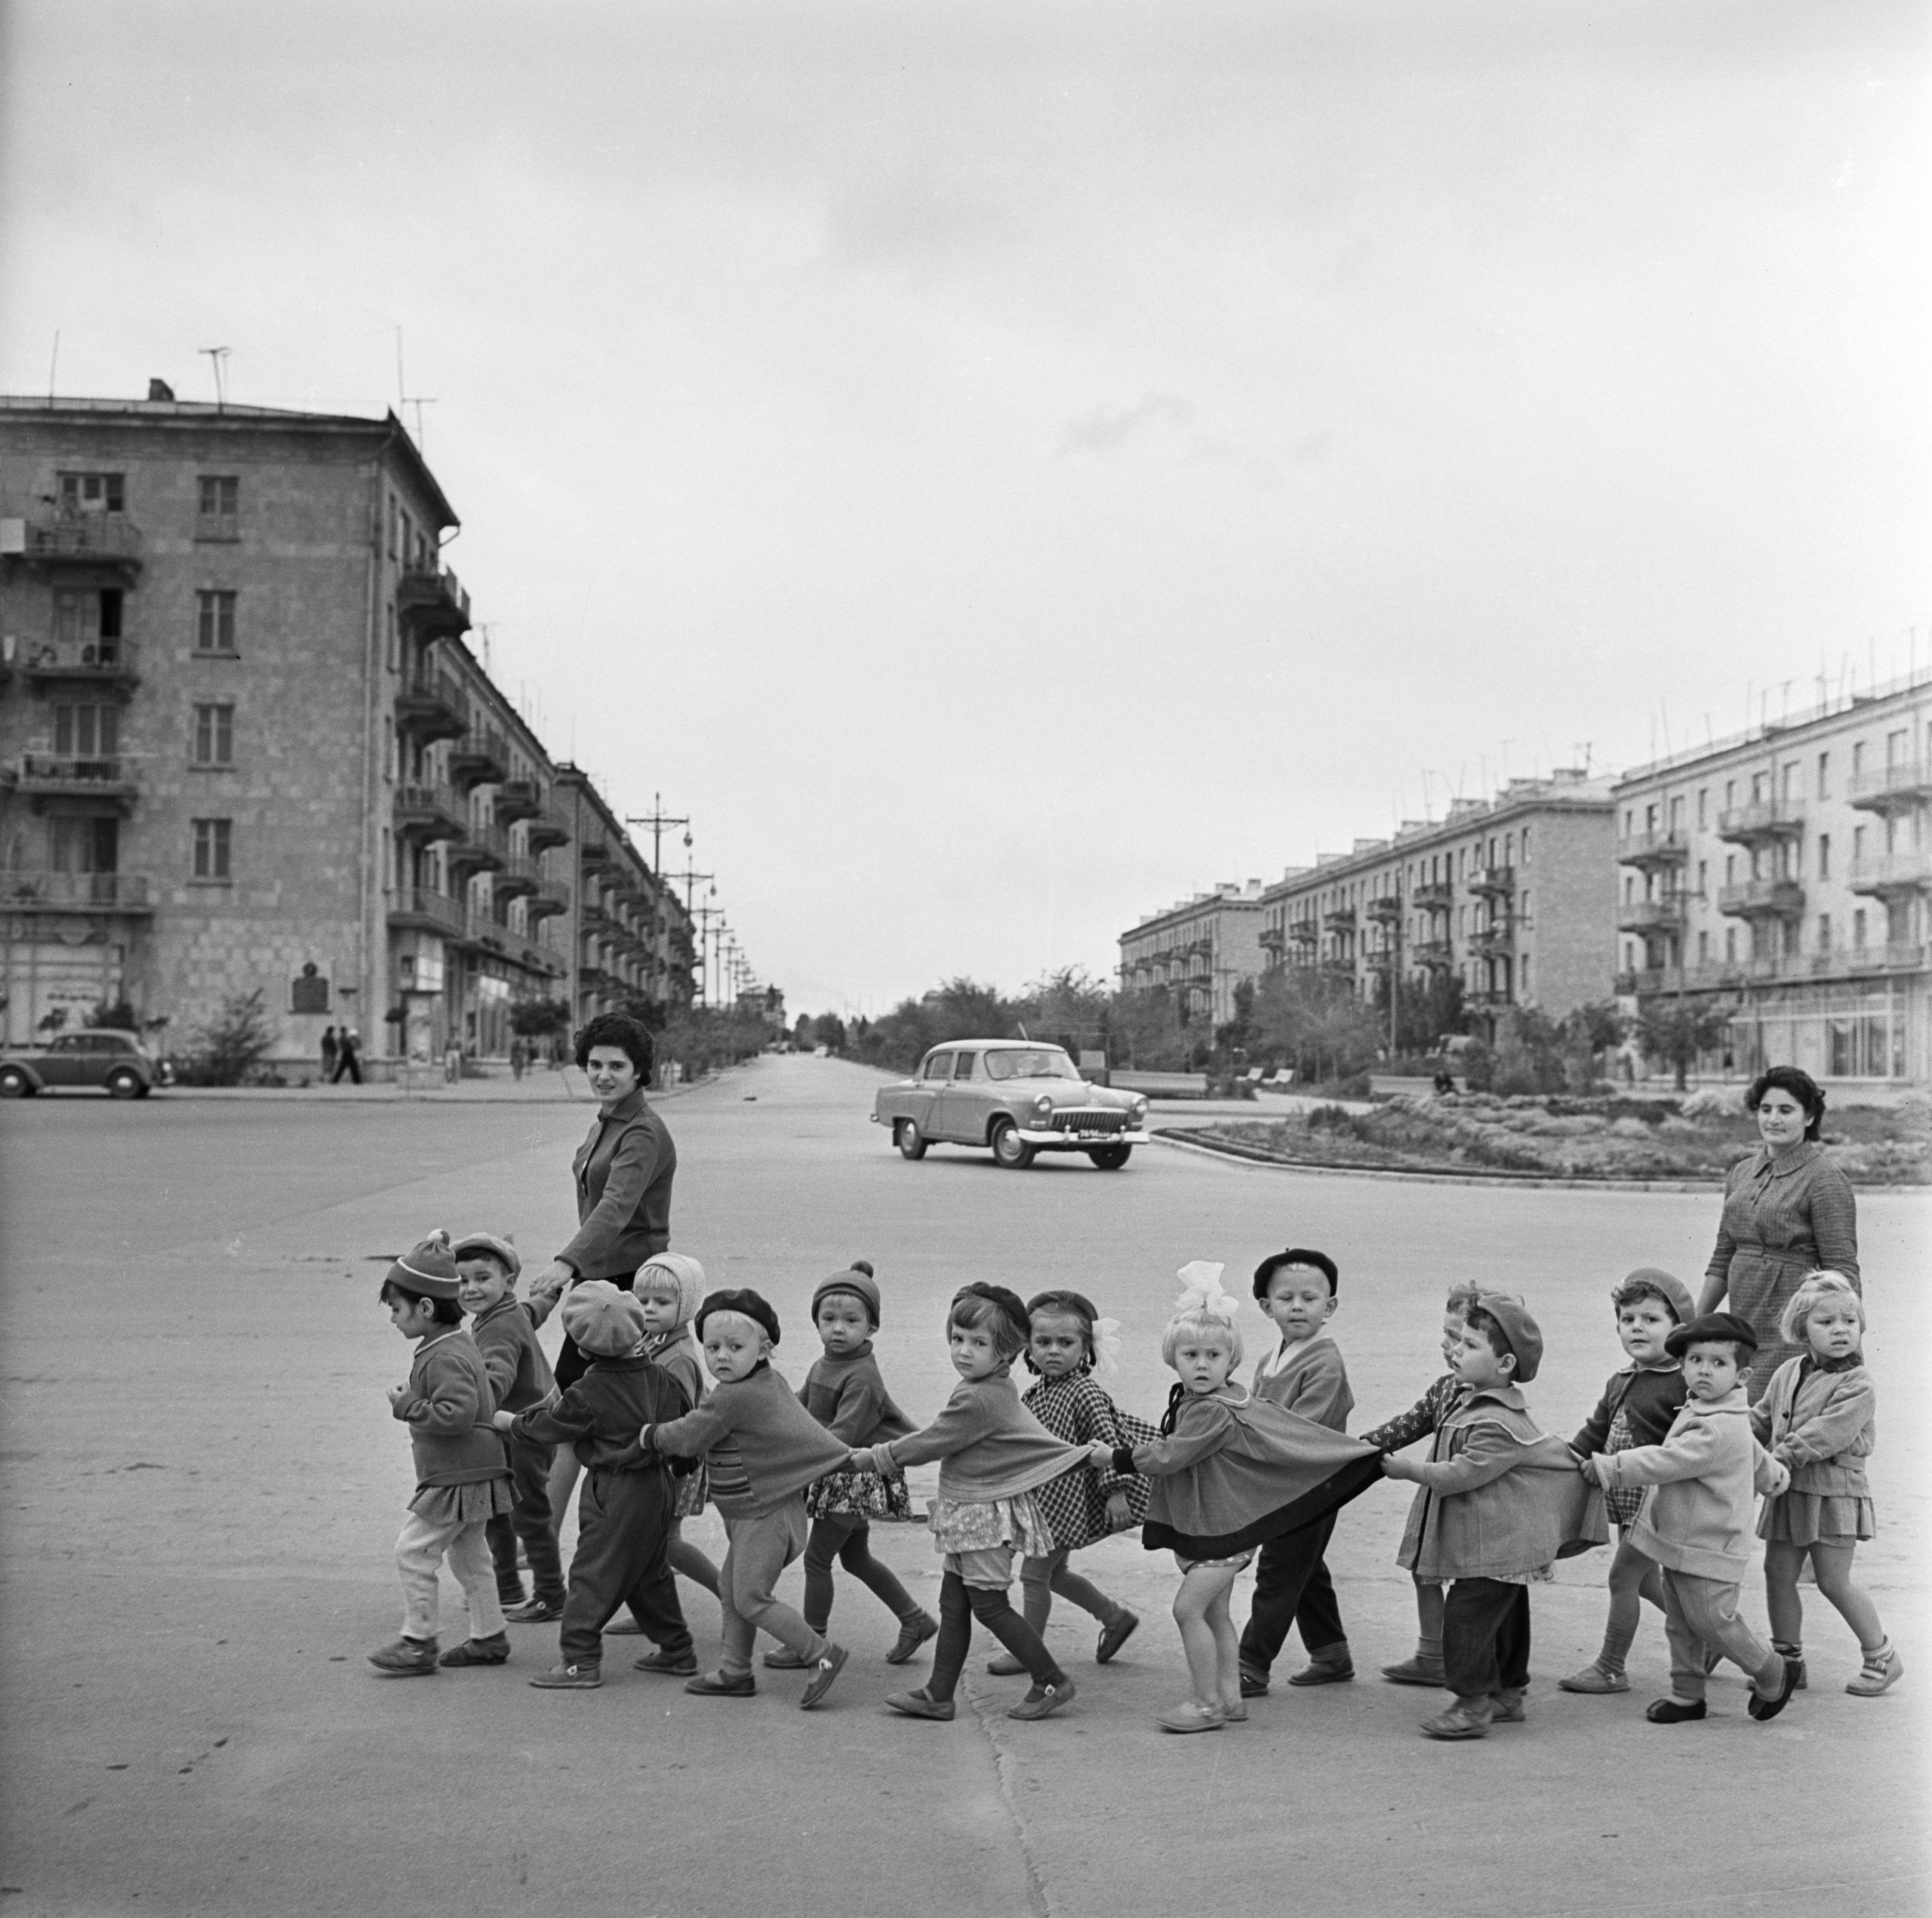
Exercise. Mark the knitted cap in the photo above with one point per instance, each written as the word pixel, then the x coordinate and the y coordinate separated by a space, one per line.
pixel 685 1274
pixel 859 1282
pixel 427 1270
pixel 486 1244
pixel 1672 1289
pixel 1009 1303
pixel 1521 1332
pixel 605 1322
pixel 1713 1326
pixel 748 1302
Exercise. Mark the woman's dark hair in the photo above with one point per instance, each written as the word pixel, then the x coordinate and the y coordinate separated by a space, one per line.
pixel 442 1311
pixel 617 1028
pixel 1800 1085
pixel 1300 1255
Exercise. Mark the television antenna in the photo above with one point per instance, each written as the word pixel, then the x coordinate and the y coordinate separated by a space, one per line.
pixel 218 358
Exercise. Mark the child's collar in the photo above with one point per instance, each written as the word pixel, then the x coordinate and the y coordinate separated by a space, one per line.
pixel 423 1343
pixel 862 1350
pixel 1667 1366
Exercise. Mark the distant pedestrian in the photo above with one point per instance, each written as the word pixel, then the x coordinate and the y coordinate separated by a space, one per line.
pixel 347 1060
pixel 519 1058
pixel 329 1049
pixel 452 1063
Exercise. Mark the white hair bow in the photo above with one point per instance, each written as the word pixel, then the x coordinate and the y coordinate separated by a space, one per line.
pixel 1201 1292
pixel 1106 1347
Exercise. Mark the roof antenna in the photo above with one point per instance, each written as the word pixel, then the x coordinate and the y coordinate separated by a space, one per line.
pixel 54 366
pixel 404 398
pixel 217 356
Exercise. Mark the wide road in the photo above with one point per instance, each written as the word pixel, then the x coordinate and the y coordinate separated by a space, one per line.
pixel 203 1485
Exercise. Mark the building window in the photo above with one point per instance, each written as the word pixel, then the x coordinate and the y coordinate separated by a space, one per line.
pixel 1730 945
pixel 1858 927
pixel 395 514
pixel 388 637
pixel 1703 948
pixel 1731 869
pixel 1730 795
pixel 1790 780
pixel 214 622
pixel 212 849
pixel 216 502
pixel 86 731
pixel 1824 932
pixel 214 736
pixel 1824 855
pixel 93 492
pixel 1703 873
pixel 1824 775
pixel 1857 759
pixel 1857 844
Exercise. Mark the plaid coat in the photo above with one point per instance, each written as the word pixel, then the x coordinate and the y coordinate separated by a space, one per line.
pixel 1075 1504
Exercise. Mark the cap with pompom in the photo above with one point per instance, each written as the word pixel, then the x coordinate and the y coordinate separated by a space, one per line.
pixel 427 1270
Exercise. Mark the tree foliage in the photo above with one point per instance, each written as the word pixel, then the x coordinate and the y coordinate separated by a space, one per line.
pixel 1676 1031
pixel 229 1047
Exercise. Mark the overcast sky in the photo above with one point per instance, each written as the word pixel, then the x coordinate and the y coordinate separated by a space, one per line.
pixel 1001 469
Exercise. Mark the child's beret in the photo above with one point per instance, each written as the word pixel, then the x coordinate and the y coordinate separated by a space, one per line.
pixel 750 1303
pixel 605 1321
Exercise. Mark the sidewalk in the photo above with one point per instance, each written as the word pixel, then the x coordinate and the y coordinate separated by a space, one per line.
pixel 565 1085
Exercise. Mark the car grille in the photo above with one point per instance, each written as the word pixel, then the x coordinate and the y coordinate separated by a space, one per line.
pixel 1082 1121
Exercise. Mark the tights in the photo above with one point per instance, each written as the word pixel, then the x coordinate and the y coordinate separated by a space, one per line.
pixel 849 1541
pixel 1633 1579
pixel 1831 1562
pixel 1041 1580
pixel 959 1604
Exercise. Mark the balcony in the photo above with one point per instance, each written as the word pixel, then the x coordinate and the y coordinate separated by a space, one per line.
pixel 1909 869
pixel 1342 919
pixel 1433 896
pixel 595 850
pixel 1435 955
pixel 77 892
pixel 425 814
pixel 1487 998
pixel 518 799
pixel 1762 822
pixel 1493 882
pixel 1894 957
pixel 433 603
pixel 1385 910
pixel 1663 914
pixel 1892 789
pixel 1653 852
pixel 478 849
pixel 592 975
pixel 546 829
pixel 73 540
pixel 1646 980
pixel 516 878
pixel 481 928
pixel 1381 959
pixel 1335 967
pixel 1762 899
pixel 1303 932
pixel 110 664
pixel 1498 937
pixel 431 706
pixel 1272 940
pixel 420 909
pixel 541 958
pixel 480 757
pixel 40 776
pixel 551 897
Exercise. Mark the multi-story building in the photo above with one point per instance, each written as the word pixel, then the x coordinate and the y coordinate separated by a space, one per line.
pixel 1200 949
pixel 1512 895
pixel 1783 876
pixel 243 744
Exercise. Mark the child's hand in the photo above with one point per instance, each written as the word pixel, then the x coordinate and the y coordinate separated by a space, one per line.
pixel 1100 1456
pixel 396 1395
pixel 502 1421
pixel 862 1459
pixel 1780 1478
pixel 1120 1512
pixel 1393 1467
pixel 1588 1467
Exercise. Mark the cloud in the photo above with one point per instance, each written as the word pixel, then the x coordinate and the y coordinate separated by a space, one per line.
pixel 1103 431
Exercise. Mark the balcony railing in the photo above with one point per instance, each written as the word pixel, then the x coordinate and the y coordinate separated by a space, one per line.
pixel 1649 850
pixel 79 892
pixel 87 538
pixel 1495 938
pixel 551 897
pixel 422 909
pixel 1762 899
pixel 1494 881
pixel 433 601
pixel 1434 896
pixel 546 829
pixel 428 812
pixel 517 798
pixel 1762 819
pixel 1892 957
pixel 433 705
pixel 1894 788
pixel 1436 954
pixel 478 849
pixel 1342 919
pixel 1272 939
pixel 482 928
pixel 1384 909
pixel 1303 932
pixel 516 876
pixel 480 757
pixel 1907 871
pixel 46 776
pixel 1664 914
pixel 84 662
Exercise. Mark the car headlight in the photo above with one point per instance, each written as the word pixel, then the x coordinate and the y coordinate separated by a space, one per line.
pixel 1043 1107
pixel 1137 1112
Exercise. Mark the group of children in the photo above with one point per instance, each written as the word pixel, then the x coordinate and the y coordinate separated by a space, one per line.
pixel 1675 1454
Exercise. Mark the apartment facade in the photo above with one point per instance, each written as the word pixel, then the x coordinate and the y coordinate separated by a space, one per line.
pixel 243 743
pixel 1512 895
pixel 1783 876
pixel 1200 949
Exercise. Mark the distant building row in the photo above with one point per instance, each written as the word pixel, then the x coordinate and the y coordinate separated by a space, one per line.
pixel 1783 876
pixel 243 743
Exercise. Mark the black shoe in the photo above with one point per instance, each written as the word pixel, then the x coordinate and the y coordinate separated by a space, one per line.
pixel 1668 1711
pixel 534 1611
pixel 1316 1672
pixel 1254 1685
pixel 673 1664
pixel 1762 1709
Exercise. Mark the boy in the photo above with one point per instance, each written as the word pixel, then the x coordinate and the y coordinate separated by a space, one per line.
pixel 487 1270
pixel 1498 1502
pixel 1697 1524
pixel 623 1514
pixel 1297 1288
pixel 461 1480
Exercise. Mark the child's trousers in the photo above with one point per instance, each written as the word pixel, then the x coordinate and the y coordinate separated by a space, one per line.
pixel 758 1550
pixel 1486 1637
pixel 623 1520
pixel 1292 1588
pixel 530 1519
pixel 1700 1612
pixel 848 1539
pixel 420 1548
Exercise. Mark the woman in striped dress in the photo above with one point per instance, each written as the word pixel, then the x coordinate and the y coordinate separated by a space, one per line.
pixel 1788 1211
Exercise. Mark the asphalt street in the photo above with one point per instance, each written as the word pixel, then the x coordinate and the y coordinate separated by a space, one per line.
pixel 203 1485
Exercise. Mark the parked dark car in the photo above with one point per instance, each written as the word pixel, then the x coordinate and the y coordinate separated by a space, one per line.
pixel 115 1062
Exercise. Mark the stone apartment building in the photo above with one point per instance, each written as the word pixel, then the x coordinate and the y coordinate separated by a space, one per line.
pixel 243 743
pixel 1513 895
pixel 1783 876
pixel 1200 949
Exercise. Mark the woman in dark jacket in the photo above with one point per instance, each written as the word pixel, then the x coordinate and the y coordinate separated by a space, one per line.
pixel 1788 1211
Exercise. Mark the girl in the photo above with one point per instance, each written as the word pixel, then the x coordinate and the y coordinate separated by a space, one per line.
pixel 1419 1421
pixel 993 1455
pixel 1233 1472
pixel 1637 1407
pixel 1818 1418
pixel 844 1392
pixel 1068 1339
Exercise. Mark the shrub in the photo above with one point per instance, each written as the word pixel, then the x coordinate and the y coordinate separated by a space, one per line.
pixel 229 1049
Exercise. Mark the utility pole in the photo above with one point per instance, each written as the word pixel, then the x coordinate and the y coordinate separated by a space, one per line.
pixel 690 879
pixel 706 914
pixel 657 819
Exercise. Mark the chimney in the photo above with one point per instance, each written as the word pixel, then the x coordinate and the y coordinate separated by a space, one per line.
pixel 160 389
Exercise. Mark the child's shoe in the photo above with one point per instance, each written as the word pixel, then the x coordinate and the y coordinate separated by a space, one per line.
pixel 722 1685
pixel 493 1650
pixel 1792 1655
pixel 534 1611
pixel 1417 1671
pixel 826 1668
pixel 1043 1700
pixel 912 1634
pixel 405 1659
pixel 1762 1708
pixel 1005 1665
pixel 1254 1685
pixel 1114 1636
pixel 673 1664
pixel 1331 1665
pixel 1674 1711
pixel 1467 1718
pixel 1192 1715
pixel 782 1658
pixel 1879 1673
pixel 1235 1714
pixel 1509 1705
pixel 920 1704
pixel 569 1678
pixel 1594 1679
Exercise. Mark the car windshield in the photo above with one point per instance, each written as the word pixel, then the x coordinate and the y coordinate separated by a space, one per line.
pixel 1045 1063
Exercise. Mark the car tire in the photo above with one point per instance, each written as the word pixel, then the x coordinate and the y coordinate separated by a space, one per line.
pixel 124 1084
pixel 906 1137
pixel 1010 1150
pixel 14 1084
pixel 1111 1159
